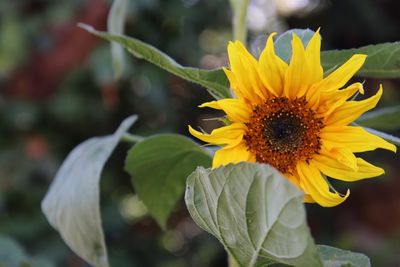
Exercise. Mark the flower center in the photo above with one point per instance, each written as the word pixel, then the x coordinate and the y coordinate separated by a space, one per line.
pixel 282 132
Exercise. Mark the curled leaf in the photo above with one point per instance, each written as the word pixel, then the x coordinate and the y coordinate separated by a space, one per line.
pixel 72 204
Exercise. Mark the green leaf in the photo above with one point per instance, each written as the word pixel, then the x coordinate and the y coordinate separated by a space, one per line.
pixel 384 118
pixel 115 25
pixel 383 60
pixel 254 212
pixel 159 166
pixel 283 44
pixel 214 80
pixel 72 203
pixel 334 257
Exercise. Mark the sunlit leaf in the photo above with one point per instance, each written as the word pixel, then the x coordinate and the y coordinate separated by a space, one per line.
pixel 383 60
pixel 214 81
pixel 254 212
pixel 384 118
pixel 334 257
pixel 115 25
pixel 159 166
pixel 72 203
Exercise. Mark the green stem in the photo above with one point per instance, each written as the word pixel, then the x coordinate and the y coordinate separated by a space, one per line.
pixel 239 19
pixel 131 138
pixel 232 262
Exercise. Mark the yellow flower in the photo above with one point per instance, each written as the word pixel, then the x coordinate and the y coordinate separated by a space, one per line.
pixel 292 117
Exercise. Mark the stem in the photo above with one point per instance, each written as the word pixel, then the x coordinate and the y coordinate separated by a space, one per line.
pixel 239 8
pixel 131 138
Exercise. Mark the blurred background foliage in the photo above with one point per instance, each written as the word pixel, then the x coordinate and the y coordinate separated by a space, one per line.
pixel 57 89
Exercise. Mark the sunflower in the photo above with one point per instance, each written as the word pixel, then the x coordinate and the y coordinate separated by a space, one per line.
pixel 292 117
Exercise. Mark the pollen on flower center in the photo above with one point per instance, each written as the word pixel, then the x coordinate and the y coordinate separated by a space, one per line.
pixel 282 132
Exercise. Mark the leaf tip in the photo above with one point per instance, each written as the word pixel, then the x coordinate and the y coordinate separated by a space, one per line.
pixel 86 27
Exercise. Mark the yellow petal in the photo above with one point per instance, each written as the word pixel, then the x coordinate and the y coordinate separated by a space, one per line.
pixel 313 56
pixel 354 138
pixel 235 109
pixel 272 68
pixel 344 156
pixel 234 84
pixel 334 169
pixel 308 199
pixel 342 94
pixel 342 75
pixel 313 96
pixel 244 66
pixel 297 77
pixel 351 110
pixel 252 70
pixel 295 179
pixel 233 154
pixel 327 90
pixel 317 187
pixel 334 99
pixel 230 135
pixel 349 91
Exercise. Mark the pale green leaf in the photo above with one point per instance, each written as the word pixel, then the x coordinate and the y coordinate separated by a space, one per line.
pixel 72 203
pixel 254 212
pixel 159 166
pixel 335 257
pixel 283 43
pixel 383 60
pixel 214 81
pixel 385 118
pixel 115 25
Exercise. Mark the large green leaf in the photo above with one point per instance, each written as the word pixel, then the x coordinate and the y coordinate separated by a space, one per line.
pixel 72 204
pixel 335 257
pixel 214 80
pixel 383 119
pixel 383 60
pixel 254 212
pixel 159 166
